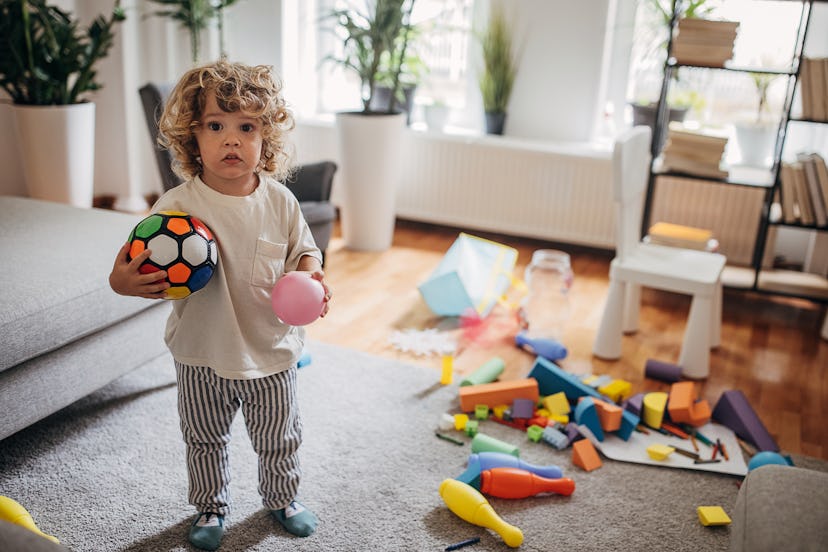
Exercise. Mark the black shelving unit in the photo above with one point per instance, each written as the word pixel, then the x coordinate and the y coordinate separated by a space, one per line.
pixel 769 180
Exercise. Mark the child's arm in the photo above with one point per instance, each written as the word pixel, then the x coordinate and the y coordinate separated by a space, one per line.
pixel 126 280
pixel 314 267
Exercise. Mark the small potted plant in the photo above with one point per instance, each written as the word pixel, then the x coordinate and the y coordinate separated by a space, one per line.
pixel 195 16
pixel 47 67
pixel 499 71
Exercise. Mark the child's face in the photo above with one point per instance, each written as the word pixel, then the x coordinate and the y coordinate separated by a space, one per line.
pixel 230 145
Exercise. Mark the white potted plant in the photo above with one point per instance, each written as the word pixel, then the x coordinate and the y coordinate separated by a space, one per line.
pixel 47 67
pixel 375 43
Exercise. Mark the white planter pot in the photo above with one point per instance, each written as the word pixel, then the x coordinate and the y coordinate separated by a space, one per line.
pixel 756 143
pixel 436 117
pixel 370 152
pixel 57 148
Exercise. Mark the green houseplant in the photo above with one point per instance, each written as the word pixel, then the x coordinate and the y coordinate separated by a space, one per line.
pixel 47 67
pixel 45 58
pixel 195 16
pixel 499 70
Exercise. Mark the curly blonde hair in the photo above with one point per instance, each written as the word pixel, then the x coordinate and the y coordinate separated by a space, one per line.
pixel 238 87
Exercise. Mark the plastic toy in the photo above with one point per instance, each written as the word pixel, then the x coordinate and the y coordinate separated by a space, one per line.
pixel 182 245
pixel 486 443
pixel 587 414
pixel 557 403
pixel 663 371
pixel 297 299
pixel 447 374
pixel 13 512
pixel 517 483
pixel 499 392
pixel 767 457
pixel 660 452
pixel 489 460
pixel 654 405
pixel 548 348
pixel 488 372
pixel 617 390
pixel 468 504
pixel 552 379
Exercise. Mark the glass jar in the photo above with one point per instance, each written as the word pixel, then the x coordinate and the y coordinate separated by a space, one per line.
pixel 544 311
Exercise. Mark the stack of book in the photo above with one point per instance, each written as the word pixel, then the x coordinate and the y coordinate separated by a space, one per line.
pixel 813 83
pixel 678 235
pixel 704 42
pixel 804 190
pixel 695 153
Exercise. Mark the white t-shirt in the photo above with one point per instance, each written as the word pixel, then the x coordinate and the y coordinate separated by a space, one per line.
pixel 229 324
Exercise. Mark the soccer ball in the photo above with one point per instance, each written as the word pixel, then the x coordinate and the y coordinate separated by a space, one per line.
pixel 182 245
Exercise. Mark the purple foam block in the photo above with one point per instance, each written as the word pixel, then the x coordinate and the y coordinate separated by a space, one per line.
pixel 734 411
pixel 660 370
pixel 573 433
pixel 523 408
pixel 635 404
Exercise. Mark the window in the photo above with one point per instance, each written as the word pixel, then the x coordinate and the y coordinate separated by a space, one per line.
pixel 315 87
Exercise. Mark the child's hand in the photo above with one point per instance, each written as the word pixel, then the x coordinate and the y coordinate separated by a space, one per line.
pixel 126 280
pixel 320 276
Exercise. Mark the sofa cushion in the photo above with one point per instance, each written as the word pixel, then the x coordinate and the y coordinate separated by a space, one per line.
pixel 55 267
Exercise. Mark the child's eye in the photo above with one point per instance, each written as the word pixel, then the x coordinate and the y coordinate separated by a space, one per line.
pixel 214 126
pixel 247 127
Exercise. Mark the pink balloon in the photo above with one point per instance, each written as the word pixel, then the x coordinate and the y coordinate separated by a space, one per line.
pixel 297 298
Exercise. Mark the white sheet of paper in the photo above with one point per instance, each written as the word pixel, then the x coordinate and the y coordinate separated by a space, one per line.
pixel 635 450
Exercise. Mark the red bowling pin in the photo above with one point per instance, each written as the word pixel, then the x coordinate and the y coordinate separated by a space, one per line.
pixel 517 483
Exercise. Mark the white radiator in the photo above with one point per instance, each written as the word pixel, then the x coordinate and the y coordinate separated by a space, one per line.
pixel 555 192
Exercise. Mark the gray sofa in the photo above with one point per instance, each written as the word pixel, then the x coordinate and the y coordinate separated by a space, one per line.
pixel 64 332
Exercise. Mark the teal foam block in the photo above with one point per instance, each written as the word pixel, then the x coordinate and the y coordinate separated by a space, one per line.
pixel 552 379
pixel 586 414
pixel 628 423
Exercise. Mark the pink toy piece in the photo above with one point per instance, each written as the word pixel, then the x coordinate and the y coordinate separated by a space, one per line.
pixel 297 298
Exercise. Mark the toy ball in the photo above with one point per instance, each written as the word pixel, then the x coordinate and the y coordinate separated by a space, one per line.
pixel 767 457
pixel 182 245
pixel 297 298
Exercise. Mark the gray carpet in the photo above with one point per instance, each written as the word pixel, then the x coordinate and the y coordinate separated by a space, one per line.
pixel 107 474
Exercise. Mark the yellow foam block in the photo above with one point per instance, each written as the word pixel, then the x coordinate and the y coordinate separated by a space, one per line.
pixel 460 421
pixel 617 390
pixel 660 452
pixel 712 515
pixel 557 403
pixel 561 418
pixel 654 404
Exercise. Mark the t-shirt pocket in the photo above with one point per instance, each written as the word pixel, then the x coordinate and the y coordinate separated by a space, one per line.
pixel 269 263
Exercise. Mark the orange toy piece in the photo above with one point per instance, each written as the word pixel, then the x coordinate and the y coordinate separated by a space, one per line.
pixel 585 456
pixel 497 393
pixel 683 407
pixel 609 415
pixel 517 483
pixel 468 504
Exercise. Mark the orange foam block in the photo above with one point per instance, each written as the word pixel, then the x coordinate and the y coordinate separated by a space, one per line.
pixel 499 392
pixel 585 456
pixel 609 414
pixel 683 407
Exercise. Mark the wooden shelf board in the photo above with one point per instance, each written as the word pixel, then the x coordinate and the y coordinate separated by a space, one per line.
pixel 794 283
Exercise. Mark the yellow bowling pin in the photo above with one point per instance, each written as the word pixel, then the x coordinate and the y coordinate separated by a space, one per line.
pixel 470 505
pixel 13 512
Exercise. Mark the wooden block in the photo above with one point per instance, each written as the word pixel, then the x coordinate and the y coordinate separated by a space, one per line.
pixel 497 393
pixel 586 414
pixel 609 415
pixel 734 411
pixel 682 397
pixel 585 456
pixel 712 515
pixel 653 408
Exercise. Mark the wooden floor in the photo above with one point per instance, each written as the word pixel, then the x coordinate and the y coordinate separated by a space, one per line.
pixel 771 348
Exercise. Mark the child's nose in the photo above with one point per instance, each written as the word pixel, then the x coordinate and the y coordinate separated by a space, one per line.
pixel 231 139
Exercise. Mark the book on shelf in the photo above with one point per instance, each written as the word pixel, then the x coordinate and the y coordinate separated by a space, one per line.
pixel 694 152
pixel 704 42
pixel 813 78
pixel 701 137
pixel 814 189
pixel 822 176
pixel 806 208
pixel 693 167
pixel 678 235
pixel 787 191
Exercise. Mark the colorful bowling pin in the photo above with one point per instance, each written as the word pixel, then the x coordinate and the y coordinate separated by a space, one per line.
pixel 517 483
pixel 13 512
pixel 488 460
pixel 470 505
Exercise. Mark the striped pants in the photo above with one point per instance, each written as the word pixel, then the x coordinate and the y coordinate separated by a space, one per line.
pixel 207 405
